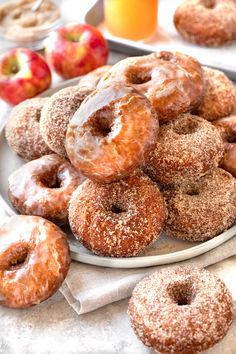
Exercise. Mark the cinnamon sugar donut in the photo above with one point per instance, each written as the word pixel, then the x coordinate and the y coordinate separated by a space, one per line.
pixel 219 97
pixel 57 113
pixel 34 260
pixel 172 82
pixel 185 150
pixel 44 187
pixel 23 129
pixel 200 210
pixel 111 133
pixel 91 79
pixel 118 219
pixel 181 310
pixel 206 22
pixel 227 127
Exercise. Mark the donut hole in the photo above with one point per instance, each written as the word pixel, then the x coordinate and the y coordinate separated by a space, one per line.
pixel 101 124
pixel 18 258
pixel 117 209
pixel 182 293
pixel 186 127
pixel 194 190
pixel 51 181
pixel 209 4
pixel 138 78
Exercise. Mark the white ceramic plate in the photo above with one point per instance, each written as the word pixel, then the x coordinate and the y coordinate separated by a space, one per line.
pixel 164 251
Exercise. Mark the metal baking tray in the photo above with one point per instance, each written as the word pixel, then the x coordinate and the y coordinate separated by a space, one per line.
pixel 167 38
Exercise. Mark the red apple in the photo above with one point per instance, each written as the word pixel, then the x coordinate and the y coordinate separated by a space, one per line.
pixel 75 50
pixel 23 74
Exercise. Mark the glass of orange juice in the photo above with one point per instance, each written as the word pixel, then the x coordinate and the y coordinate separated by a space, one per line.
pixel 132 19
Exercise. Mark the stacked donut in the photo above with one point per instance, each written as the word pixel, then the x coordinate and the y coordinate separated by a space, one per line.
pixel 141 134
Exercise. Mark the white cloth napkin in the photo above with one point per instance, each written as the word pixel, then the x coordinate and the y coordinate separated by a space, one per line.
pixel 88 287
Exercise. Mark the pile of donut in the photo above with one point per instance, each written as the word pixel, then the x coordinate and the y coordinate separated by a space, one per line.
pixel 134 149
pixel 207 22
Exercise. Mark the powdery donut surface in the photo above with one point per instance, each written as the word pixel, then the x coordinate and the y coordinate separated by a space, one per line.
pixel 57 113
pixel 181 310
pixel 111 133
pixel 91 79
pixel 118 219
pixel 206 22
pixel 227 128
pixel 44 187
pixel 200 210
pixel 219 97
pixel 172 82
pixel 34 260
pixel 185 150
pixel 23 129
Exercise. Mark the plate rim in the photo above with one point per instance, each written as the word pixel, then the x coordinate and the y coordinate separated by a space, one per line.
pixel 129 262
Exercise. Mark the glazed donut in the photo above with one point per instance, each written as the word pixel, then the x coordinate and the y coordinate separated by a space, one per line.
pixel 200 210
pixel 219 97
pixel 172 82
pixel 118 219
pixel 92 79
pixel 111 133
pixel 34 260
pixel 206 22
pixel 227 127
pixel 44 187
pixel 185 150
pixel 56 114
pixel 181 310
pixel 23 129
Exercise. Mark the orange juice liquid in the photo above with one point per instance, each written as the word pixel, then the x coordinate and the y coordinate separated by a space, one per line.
pixel 132 19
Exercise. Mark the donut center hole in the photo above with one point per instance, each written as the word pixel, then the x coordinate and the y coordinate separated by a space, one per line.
pixel 182 293
pixel 51 182
pixel 18 259
pixel 102 126
pixel 185 128
pixel 193 191
pixel 116 209
pixel 139 78
pixel 209 4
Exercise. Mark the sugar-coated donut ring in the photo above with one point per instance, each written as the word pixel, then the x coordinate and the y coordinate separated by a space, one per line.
pixel 172 82
pixel 34 260
pixel 57 113
pixel 227 128
pixel 219 97
pixel 23 129
pixel 44 187
pixel 111 133
pixel 91 79
pixel 181 310
pixel 202 209
pixel 118 219
pixel 185 150
pixel 206 22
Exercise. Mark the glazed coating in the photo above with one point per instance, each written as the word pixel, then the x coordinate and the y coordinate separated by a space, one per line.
pixel 34 260
pixel 91 79
pixel 227 127
pixel 111 133
pixel 219 97
pixel 200 210
pixel 172 82
pixel 181 310
pixel 185 150
pixel 119 219
pixel 44 187
pixel 206 22
pixel 23 129
pixel 57 113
